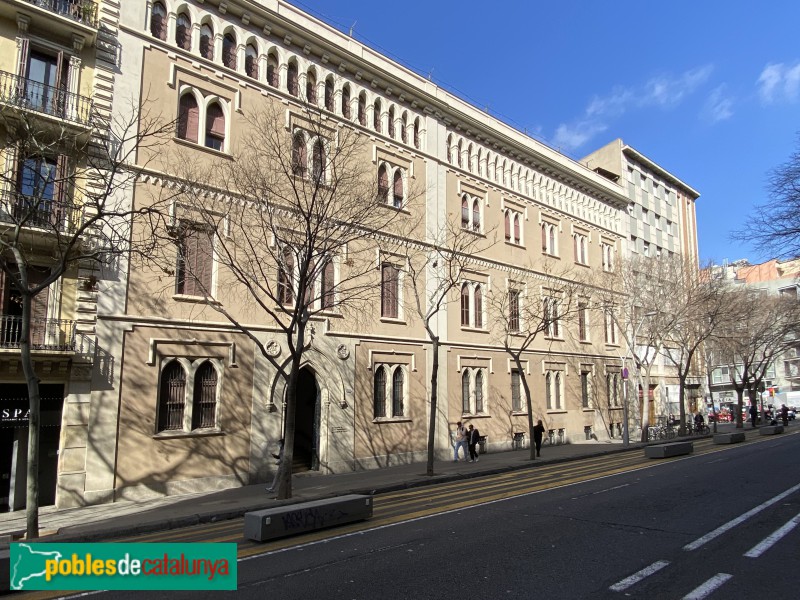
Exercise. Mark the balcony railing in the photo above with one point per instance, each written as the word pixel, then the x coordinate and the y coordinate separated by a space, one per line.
pixel 33 95
pixel 45 334
pixel 40 213
pixel 82 11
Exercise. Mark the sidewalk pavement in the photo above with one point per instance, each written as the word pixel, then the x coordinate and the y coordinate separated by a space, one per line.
pixel 125 518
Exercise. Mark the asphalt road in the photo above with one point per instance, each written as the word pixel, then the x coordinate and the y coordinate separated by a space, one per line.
pixel 718 524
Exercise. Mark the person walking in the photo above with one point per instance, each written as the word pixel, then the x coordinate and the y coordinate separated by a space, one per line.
pixel 784 415
pixel 473 437
pixel 460 441
pixel 753 415
pixel 538 433
pixel 278 457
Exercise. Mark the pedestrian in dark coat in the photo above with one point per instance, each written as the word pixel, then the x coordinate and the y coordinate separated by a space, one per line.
pixel 753 414
pixel 538 433
pixel 785 415
pixel 473 437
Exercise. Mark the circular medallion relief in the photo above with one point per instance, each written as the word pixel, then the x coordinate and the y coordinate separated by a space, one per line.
pixel 342 352
pixel 273 348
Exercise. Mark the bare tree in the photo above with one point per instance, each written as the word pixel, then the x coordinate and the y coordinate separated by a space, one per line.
pixel 63 209
pixel 296 215
pixel 531 308
pixel 640 303
pixel 703 307
pixel 435 270
pixel 763 328
pixel 774 226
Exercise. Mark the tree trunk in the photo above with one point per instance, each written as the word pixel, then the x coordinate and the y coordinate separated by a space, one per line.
pixel 32 483
pixel 528 405
pixel 739 407
pixel 285 468
pixel 682 401
pixel 434 402
pixel 645 404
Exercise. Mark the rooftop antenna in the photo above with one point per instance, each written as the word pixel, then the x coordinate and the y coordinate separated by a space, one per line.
pixel 353 26
pixel 430 74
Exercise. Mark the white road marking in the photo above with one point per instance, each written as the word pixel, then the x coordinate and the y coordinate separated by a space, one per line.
pixel 741 519
pixel 771 540
pixel 708 587
pixel 637 577
pixel 611 489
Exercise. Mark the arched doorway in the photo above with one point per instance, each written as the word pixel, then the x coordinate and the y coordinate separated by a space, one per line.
pixel 306 433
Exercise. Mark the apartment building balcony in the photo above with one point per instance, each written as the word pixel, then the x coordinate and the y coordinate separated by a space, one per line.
pixel 58 18
pixel 48 335
pixel 39 213
pixel 56 105
pixel 792 368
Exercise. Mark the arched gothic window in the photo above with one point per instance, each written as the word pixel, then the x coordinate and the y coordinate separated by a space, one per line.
pixel 465 399
pixel 379 393
pixel 229 51
pixel 188 118
pixel 207 42
pixel 465 305
pixel 204 405
pixel 397 393
pixel 183 32
pixel 172 397
pixel 251 61
pixel 158 21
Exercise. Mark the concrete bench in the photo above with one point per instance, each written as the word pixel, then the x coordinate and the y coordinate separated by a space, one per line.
pixel 667 450
pixel 770 429
pixel 729 438
pixel 293 519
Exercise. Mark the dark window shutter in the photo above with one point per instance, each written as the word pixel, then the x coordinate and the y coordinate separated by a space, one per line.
pixel 464 212
pixel 478 306
pixel 465 305
pixel 379 393
pixel 215 127
pixel 229 51
pixel 172 398
pixel 24 52
pixel 36 275
pixel 465 403
pixel 291 81
pixel 389 290
pixel 272 71
pixel 383 184
pixel 508 226
pixel 204 401
pixel 398 189
pixel 327 285
pixel 188 118
pixel 517 236
pixel 397 393
pixel 183 32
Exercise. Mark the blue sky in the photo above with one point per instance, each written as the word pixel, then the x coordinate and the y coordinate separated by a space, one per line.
pixel 710 90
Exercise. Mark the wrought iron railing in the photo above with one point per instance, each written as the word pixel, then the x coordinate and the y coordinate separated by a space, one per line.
pixel 83 11
pixel 33 95
pixel 39 212
pixel 45 334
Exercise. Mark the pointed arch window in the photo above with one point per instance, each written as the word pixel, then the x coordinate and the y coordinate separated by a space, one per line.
pixel 299 155
pixel 204 404
pixel 464 212
pixel 383 184
pixel 286 277
pixel 404 128
pixel 465 305
pixel 229 51
pixel 326 286
pixel 292 84
pixel 272 71
pixel 465 399
pixel 195 260
pixel 215 127
pixel 329 93
pixel 397 393
pixel 318 162
pixel 376 116
pixel 478 307
pixel 346 102
pixel 548 390
pixel 508 226
pixel 207 42
pixel 390 284
pixel 391 122
pixel 251 61
pixel 416 133
pixel 379 393
pixel 172 397
pixel 557 386
pixel 476 215
pixel 517 236
pixel 362 110
pixel 398 189
pixel 479 391
pixel 183 32
pixel 188 118
pixel 459 150
pixel 311 87
pixel 158 21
